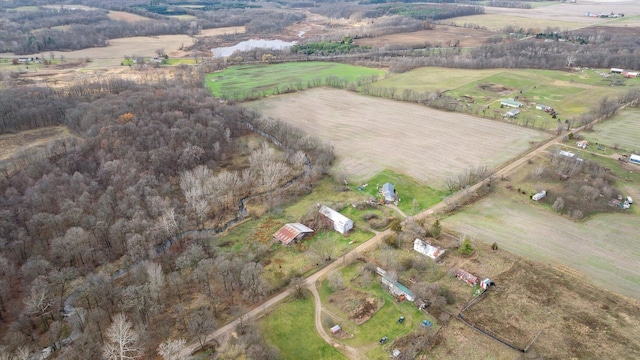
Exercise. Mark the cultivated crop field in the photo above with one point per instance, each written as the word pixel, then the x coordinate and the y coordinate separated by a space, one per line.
pixel 252 81
pixel 372 134
pixel 603 248
pixel 622 131
pixel 555 15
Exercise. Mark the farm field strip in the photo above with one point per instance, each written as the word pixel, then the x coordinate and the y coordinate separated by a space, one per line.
pixel 623 130
pixel 372 134
pixel 601 247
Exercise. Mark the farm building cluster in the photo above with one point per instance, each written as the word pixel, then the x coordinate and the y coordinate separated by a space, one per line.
pixel 625 73
pixel 396 289
pixel 294 232
pixel 473 280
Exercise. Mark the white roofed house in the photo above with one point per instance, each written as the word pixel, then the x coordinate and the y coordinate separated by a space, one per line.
pixel 389 193
pixel 431 251
pixel 341 223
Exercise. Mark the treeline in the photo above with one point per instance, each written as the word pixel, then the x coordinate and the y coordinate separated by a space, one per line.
pixel 152 167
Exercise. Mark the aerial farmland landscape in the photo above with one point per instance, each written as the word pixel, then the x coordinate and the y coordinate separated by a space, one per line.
pixel 368 180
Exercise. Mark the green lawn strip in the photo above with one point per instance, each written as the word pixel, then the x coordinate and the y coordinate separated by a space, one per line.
pixel 407 189
pixel 291 328
pixel 251 81
pixel 178 61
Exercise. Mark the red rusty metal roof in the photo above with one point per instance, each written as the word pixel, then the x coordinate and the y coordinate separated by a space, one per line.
pixel 289 232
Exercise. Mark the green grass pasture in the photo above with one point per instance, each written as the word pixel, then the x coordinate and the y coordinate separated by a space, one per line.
pixel 569 93
pixel 291 328
pixel 253 81
pixel 622 131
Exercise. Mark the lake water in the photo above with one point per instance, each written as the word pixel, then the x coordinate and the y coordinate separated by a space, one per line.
pixel 251 44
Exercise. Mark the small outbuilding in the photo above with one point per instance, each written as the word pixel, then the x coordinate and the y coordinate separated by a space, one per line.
pixel 467 277
pixel 335 329
pixel 544 108
pixel 510 103
pixel 538 196
pixel 396 353
pixel 291 232
pixel 634 159
pixel 341 223
pixel 617 70
pixel 583 144
pixel 511 113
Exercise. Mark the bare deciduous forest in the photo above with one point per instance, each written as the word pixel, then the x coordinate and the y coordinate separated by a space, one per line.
pixel 122 222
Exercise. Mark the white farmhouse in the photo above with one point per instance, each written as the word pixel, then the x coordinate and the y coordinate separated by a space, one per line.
pixel 431 251
pixel 341 223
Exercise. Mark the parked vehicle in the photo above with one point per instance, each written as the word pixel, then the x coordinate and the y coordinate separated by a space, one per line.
pixel 383 340
pixel 401 320
pixel 426 323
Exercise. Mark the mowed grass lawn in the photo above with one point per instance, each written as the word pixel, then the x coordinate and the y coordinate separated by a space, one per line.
pixel 291 328
pixel 622 131
pixel 253 81
pixel 604 248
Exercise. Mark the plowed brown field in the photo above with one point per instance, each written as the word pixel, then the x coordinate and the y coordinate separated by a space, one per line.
pixel 371 134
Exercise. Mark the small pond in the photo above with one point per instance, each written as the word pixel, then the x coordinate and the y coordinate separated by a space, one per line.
pixel 251 44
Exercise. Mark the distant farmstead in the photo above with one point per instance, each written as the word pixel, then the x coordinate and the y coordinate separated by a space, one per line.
pixel 341 223
pixel 291 233
pixel 431 251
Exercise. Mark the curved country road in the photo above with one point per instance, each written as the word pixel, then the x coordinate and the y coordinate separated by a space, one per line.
pixel 221 333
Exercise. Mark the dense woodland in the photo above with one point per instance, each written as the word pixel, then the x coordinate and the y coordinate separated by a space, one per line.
pixel 123 221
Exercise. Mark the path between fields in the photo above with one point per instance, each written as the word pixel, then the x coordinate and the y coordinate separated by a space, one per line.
pixel 222 333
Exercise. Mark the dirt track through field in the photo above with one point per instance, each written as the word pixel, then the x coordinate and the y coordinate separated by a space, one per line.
pixel 371 134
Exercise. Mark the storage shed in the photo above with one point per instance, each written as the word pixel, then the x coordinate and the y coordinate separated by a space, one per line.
pixel 291 232
pixel 388 192
pixel 431 251
pixel 634 159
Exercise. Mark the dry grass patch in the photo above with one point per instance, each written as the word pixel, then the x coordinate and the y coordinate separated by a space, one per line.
pixel 372 134
pixel 442 35
pixel 222 31
pixel 574 319
pixel 357 305
pixel 128 17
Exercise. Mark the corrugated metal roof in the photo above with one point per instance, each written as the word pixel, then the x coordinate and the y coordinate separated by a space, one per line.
pixel 289 232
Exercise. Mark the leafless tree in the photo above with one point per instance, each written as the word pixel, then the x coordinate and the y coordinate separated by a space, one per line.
pixel 297 286
pixel 170 349
pixel 121 340
pixel 155 279
pixel 335 280
pixel 200 324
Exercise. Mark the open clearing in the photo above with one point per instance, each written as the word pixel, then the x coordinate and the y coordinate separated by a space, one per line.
pixel 603 248
pixel 222 31
pixel 622 131
pixel 113 54
pixel 372 134
pixel 442 35
pixel 10 143
pixel 128 17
